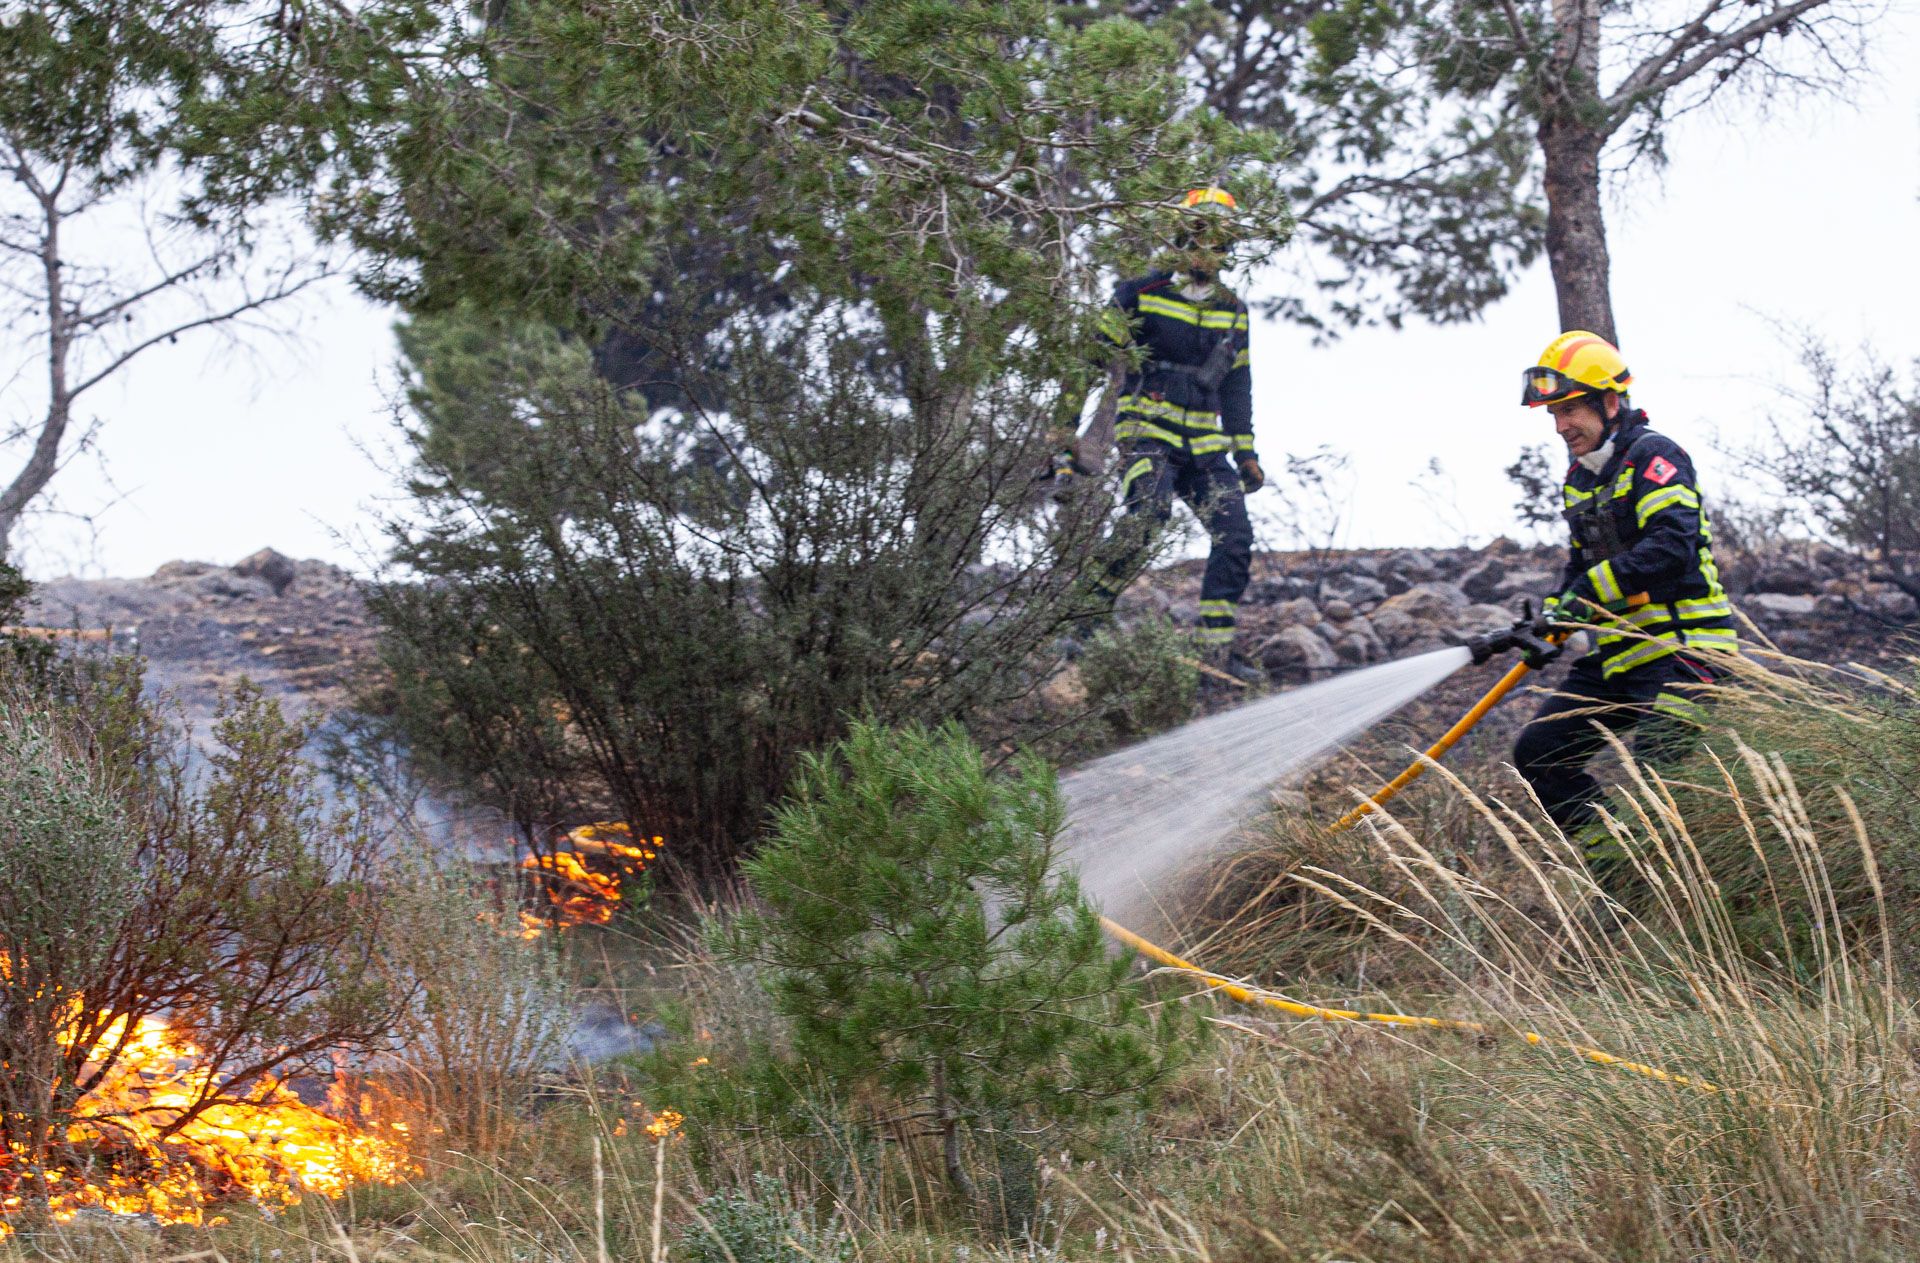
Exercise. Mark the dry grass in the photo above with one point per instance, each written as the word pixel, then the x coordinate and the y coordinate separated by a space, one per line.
pixel 1305 1140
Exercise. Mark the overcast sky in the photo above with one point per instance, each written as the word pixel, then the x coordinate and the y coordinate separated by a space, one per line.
pixel 1810 216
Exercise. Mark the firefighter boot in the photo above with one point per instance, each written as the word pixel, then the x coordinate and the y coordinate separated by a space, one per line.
pixel 1224 674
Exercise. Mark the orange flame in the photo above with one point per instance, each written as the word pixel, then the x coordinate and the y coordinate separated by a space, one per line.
pixel 270 1147
pixel 578 893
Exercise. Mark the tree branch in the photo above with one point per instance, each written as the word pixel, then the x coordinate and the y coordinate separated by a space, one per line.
pixel 1658 73
pixel 212 318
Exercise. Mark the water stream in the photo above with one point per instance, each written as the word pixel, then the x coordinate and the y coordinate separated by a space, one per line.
pixel 1140 815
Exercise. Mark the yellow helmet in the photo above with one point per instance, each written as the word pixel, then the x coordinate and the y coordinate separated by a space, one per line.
pixel 1207 219
pixel 1212 200
pixel 1574 364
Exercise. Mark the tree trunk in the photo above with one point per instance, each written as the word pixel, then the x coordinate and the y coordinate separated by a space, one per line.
pixel 1576 229
pixel 950 1136
pixel 1572 132
pixel 44 461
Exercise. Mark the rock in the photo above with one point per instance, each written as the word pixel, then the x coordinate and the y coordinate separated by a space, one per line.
pixel 1778 605
pixel 1799 641
pixel 174 573
pixel 1482 583
pixel 1413 567
pixel 1834 605
pixel 1368 566
pixel 1538 584
pixel 1896 604
pixel 1503 547
pixel 1356 589
pixel 1297 613
pixel 1483 618
pixel 1789 579
pixel 1402 633
pixel 1359 643
pixel 1428 602
pixel 1274 591
pixel 276 569
pixel 1337 611
pixel 1297 651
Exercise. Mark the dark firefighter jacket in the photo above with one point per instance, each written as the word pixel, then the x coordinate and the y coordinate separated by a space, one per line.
pixel 1639 527
pixel 1149 316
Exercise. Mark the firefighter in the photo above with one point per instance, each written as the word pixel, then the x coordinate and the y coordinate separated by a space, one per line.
pixel 1184 421
pixel 1640 568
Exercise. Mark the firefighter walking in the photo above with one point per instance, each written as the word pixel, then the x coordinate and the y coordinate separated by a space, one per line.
pixel 1184 420
pixel 1641 564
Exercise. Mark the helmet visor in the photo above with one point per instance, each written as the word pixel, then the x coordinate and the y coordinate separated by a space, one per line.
pixel 1541 385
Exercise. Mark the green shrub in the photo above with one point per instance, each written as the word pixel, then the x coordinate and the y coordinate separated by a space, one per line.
pixel 917 938
pixel 759 1224
pixel 1141 679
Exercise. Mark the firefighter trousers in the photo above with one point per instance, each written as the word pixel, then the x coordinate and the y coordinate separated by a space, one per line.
pixel 1659 702
pixel 1154 473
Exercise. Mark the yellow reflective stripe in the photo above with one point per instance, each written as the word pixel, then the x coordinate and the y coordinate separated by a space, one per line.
pixel 1573 496
pixel 1215 635
pixel 1243 359
pixel 1189 313
pixel 1192 418
pixel 1605 586
pixel 1639 656
pixel 1113 326
pixel 1138 429
pixel 1139 467
pixel 1624 483
pixel 1717 638
pixel 1679 707
pixel 1243 442
pixel 1686 497
pixel 1639 619
pixel 1217 609
pixel 1711 573
pixel 1705 607
pixel 1198 444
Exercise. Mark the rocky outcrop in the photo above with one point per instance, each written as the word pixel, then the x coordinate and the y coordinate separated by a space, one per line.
pixel 296 628
pixel 1307 615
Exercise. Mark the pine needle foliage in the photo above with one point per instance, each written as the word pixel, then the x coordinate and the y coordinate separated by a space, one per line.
pixel 919 940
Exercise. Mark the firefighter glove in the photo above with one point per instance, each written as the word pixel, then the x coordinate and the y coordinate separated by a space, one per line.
pixel 1066 471
pixel 1252 477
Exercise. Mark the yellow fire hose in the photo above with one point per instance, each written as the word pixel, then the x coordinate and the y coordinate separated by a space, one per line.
pixel 1250 995
pixel 1444 744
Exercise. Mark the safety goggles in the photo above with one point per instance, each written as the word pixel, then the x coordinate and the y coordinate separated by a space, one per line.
pixel 1539 385
pixel 1208 232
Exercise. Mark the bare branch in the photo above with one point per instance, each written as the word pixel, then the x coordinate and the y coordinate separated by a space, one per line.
pixel 278 293
pixel 1674 64
pixel 166 282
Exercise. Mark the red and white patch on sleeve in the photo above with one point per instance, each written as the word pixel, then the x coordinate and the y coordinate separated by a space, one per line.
pixel 1661 470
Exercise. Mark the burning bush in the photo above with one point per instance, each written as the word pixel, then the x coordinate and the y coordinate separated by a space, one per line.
pixel 178 940
pixel 600 871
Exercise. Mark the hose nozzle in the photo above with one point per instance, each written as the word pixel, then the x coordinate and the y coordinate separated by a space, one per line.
pixel 1534 636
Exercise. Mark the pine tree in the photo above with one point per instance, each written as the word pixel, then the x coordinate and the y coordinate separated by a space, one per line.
pixel 919 938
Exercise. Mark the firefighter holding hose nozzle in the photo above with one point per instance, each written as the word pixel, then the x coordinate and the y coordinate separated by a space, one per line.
pixel 1640 569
